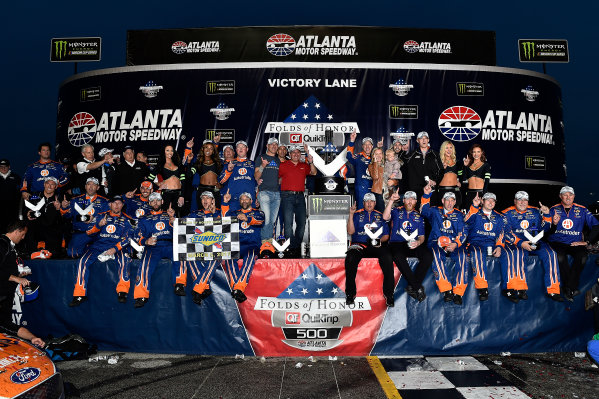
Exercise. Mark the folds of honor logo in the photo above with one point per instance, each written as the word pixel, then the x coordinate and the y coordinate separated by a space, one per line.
pixel 289 314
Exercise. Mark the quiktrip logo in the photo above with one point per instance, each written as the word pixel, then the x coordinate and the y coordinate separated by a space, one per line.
pixel 530 94
pixel 280 44
pixel 459 123
pixel 401 88
pixel 222 112
pixel 150 89
pixel 82 129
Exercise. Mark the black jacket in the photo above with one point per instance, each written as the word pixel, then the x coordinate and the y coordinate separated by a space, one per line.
pixel 127 178
pixel 419 166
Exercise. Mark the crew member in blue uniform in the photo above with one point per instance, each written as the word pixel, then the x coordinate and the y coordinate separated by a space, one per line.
pixel 566 239
pixel 80 240
pixel 202 274
pixel 485 230
pixel 250 224
pixel 155 233
pixel 36 173
pixel 527 222
pixel 238 175
pixel 446 239
pixel 112 232
pixel 407 239
pixel 362 246
pixel 360 162
pixel 138 205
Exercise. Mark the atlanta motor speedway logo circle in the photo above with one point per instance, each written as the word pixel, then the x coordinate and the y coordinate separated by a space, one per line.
pixel 82 129
pixel 179 47
pixel 411 46
pixel 280 44
pixel 460 123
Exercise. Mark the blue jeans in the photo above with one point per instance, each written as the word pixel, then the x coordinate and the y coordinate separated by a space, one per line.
pixel 294 204
pixel 269 204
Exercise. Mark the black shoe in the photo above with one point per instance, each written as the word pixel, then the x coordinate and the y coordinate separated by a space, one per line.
pixel 512 295
pixel 457 299
pixel 197 298
pixel 390 301
pixel 420 295
pixel 179 289
pixel 483 294
pixel 556 297
pixel 350 299
pixel 77 300
pixel 522 294
pixel 140 302
pixel 122 297
pixel 448 296
pixel 238 295
pixel 206 293
pixel 411 292
pixel 567 293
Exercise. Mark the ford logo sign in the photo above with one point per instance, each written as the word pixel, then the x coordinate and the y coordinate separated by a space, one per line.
pixel 25 376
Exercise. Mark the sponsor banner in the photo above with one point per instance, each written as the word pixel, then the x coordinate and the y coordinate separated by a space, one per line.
pixel 328 237
pixel 533 162
pixel 310 43
pixel 220 87
pixel 300 308
pixel 205 239
pixel 543 50
pixel 75 49
pixel 90 94
pixel 326 205
pixel 511 113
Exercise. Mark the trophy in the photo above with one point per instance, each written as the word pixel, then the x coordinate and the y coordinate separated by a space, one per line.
pixel 533 240
pixel 328 166
pixel 411 239
pixel 374 237
pixel 84 214
pixel 281 248
pixel 35 208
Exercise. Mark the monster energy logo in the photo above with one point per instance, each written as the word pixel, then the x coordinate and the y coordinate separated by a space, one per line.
pixel 403 111
pixel 210 134
pixel 528 50
pixel 461 88
pixel 83 95
pixel 534 163
pixel 529 161
pixel 395 111
pixel 211 87
pixel 60 49
pixel 220 87
pixel 317 204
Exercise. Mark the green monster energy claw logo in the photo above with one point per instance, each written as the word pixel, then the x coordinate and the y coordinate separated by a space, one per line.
pixel 529 161
pixel 211 87
pixel 395 111
pixel 83 94
pixel 210 134
pixel 60 49
pixel 528 49
pixel 461 88
pixel 317 204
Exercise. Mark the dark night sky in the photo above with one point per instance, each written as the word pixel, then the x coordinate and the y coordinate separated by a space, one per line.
pixel 30 82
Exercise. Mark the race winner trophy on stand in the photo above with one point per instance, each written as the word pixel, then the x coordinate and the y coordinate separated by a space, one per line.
pixel 328 209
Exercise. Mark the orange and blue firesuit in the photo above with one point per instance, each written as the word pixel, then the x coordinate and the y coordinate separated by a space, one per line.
pixel 80 240
pixel 239 180
pixel 363 181
pixel 138 206
pixel 447 227
pixel 114 234
pixel 483 231
pixel 532 221
pixel 37 172
pixel 202 275
pixel 155 224
pixel 249 242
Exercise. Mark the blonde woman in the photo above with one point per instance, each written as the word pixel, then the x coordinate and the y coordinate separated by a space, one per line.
pixel 376 170
pixel 449 180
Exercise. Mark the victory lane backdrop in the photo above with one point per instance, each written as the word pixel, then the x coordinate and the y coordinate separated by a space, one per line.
pixel 516 115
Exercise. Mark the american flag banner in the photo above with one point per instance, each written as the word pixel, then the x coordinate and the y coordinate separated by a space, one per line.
pixel 205 239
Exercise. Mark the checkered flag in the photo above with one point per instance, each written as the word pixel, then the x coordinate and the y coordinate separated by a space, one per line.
pixel 206 239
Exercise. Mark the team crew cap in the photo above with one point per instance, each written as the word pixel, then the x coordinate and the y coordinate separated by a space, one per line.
pixel 241 142
pixel 146 184
pixel 92 180
pixel 272 140
pixel 566 189
pixel 490 196
pixel 228 146
pixel 369 197
pixel 421 135
pixel 521 195
pixel 155 196
pixel 207 194
pixel 51 178
pixel 449 195
pixel 105 151
pixel 409 194
pixel 365 139
pixel 246 194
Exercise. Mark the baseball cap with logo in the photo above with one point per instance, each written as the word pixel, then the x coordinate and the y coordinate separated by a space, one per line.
pixel 365 139
pixel 246 194
pixel 369 197
pixel 566 189
pixel 154 196
pixel 146 184
pixel 104 151
pixel 272 140
pixel 207 194
pixel 421 135
pixel 117 198
pixel 521 195
pixel 241 142
pixel 410 194
pixel 490 196
pixel 93 180
pixel 449 195
pixel 51 178
pixel 4 162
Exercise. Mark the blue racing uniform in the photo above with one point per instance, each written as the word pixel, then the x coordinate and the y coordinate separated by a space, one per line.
pixel 80 239
pixel 532 221
pixel 137 206
pixel 156 224
pixel 447 227
pixel 114 234
pixel 363 181
pixel 37 172
pixel 239 180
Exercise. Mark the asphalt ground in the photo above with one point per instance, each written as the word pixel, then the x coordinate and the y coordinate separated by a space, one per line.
pixel 136 375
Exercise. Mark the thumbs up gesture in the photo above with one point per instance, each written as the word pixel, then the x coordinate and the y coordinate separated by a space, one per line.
pixel 104 220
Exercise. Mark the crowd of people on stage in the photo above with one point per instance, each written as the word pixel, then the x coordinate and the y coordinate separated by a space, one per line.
pixel 104 206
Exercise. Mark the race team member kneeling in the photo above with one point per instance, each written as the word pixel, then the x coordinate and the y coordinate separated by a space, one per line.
pixel 485 229
pixel 203 275
pixel 112 232
pixel 250 223
pixel 362 246
pixel 569 219
pixel 524 218
pixel 447 237
pixel 155 233
pixel 82 223
pixel 409 244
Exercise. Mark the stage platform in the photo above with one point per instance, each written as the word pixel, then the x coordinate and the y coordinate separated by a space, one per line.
pixel 296 307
